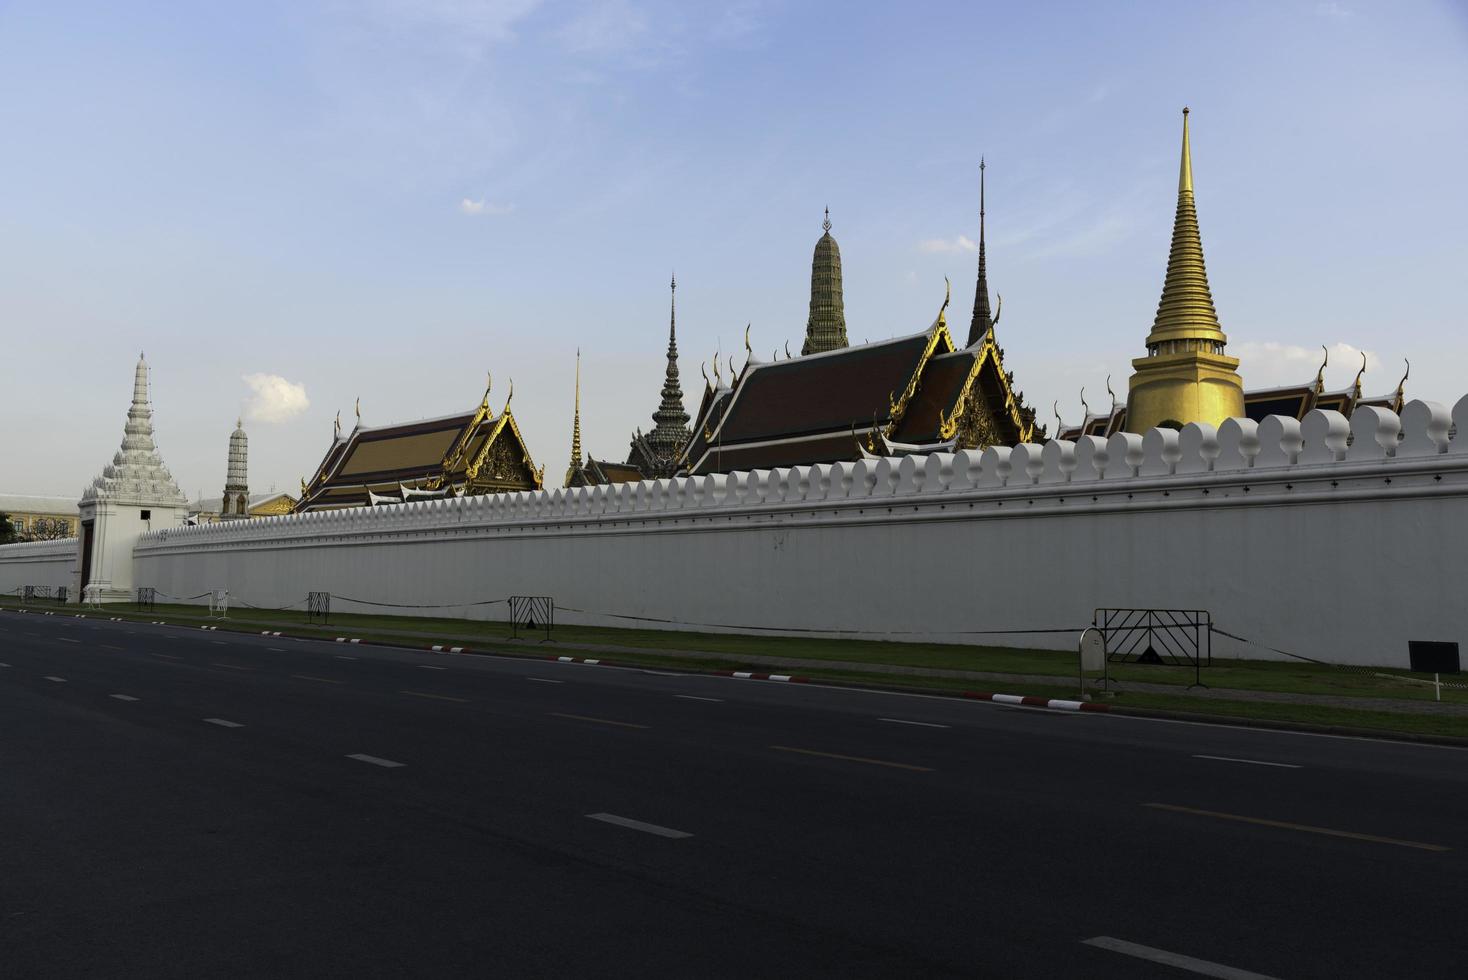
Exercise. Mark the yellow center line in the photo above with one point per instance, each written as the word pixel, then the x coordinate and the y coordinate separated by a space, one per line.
pixel 599 721
pixel 308 677
pixel 232 666
pixel 1261 821
pixel 852 758
pixel 438 697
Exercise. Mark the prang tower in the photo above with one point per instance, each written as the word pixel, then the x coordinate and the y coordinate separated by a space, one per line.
pixel 1186 375
pixel 825 329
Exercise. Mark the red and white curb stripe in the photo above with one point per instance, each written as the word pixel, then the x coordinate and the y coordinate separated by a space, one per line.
pixel 269 633
pixel 445 649
pixel 208 627
pixel 746 675
pixel 1037 702
pixel 348 639
pixel 582 660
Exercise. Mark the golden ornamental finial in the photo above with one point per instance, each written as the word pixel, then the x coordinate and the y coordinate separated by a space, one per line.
pixel 747 348
pixel 703 368
pixel 1401 389
pixel 359 409
pixel 1320 375
pixel 509 398
pixel 1059 425
pixel 826 225
pixel 998 308
pixel 788 355
pixel 1085 409
pixel 1111 393
pixel 1185 171
pixel 1356 386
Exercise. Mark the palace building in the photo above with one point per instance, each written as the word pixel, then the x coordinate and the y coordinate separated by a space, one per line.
pixel 915 393
pixel 470 453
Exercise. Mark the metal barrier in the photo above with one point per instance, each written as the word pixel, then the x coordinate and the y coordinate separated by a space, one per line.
pixel 533 614
pixel 147 599
pixel 31 593
pixel 1175 637
pixel 318 607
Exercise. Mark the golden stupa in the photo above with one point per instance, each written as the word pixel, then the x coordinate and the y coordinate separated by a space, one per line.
pixel 1186 376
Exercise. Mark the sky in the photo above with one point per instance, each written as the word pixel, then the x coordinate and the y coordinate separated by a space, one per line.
pixel 291 205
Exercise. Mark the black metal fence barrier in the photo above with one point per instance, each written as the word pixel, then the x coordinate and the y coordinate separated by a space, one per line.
pixel 147 598
pixel 533 614
pixel 318 607
pixel 31 593
pixel 1174 637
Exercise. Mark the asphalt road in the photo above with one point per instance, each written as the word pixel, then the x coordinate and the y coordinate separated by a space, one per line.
pixel 177 802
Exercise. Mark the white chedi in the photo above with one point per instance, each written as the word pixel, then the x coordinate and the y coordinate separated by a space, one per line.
pixel 137 473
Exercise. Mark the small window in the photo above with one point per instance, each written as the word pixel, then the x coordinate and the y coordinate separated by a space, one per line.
pixel 147 515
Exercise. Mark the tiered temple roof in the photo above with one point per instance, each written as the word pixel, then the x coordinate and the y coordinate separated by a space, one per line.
pixel 463 454
pixel 136 474
pixel 915 393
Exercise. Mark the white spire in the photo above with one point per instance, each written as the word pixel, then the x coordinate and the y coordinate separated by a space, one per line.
pixel 236 481
pixel 136 473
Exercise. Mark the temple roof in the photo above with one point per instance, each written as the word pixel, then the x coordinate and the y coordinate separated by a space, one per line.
pixel 821 392
pixel 427 455
pixel 945 379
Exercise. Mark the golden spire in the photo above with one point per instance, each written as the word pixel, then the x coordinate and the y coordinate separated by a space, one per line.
pixel 1186 310
pixel 576 425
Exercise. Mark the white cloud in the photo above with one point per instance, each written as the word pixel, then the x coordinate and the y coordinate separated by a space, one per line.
pixel 1267 364
pixel 274 399
pixel 960 244
pixel 470 206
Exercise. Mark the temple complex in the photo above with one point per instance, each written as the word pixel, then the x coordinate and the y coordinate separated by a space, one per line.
pixel 1186 375
pixel 915 393
pixel 469 453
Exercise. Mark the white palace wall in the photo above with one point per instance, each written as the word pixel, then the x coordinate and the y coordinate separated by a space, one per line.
pixel 1286 534
pixel 46 563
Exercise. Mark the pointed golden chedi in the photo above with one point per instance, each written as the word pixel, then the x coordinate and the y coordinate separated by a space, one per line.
pixel 1186 375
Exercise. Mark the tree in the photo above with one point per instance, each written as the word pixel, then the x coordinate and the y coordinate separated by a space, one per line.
pixel 7 530
pixel 49 529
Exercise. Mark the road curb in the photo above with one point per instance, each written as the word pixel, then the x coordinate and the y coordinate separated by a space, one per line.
pixel 1028 701
pixel 1282 725
pixel 748 675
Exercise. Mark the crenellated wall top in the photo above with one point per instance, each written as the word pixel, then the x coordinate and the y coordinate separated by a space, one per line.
pixel 1325 448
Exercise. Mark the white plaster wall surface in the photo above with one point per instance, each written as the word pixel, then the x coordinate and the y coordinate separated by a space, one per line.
pixel 1268 527
pixel 48 563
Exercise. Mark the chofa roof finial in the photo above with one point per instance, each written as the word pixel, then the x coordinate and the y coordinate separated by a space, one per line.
pixel 1320 375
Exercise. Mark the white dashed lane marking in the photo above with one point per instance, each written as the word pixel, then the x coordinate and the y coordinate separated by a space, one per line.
pixel 58 680
pixel 374 760
pixel 232 666
pixel 67 639
pixel 431 667
pixel 1250 762
pixel 544 680
pixel 338 656
pixel 122 697
pixel 1178 960
pixel 695 697
pixel 222 723
pixel 646 828
pixel 920 724
pixel 436 697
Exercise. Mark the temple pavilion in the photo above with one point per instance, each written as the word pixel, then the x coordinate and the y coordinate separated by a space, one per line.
pixel 468 453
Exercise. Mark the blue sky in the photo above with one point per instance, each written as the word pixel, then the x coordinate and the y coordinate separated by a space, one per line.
pixel 391 198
